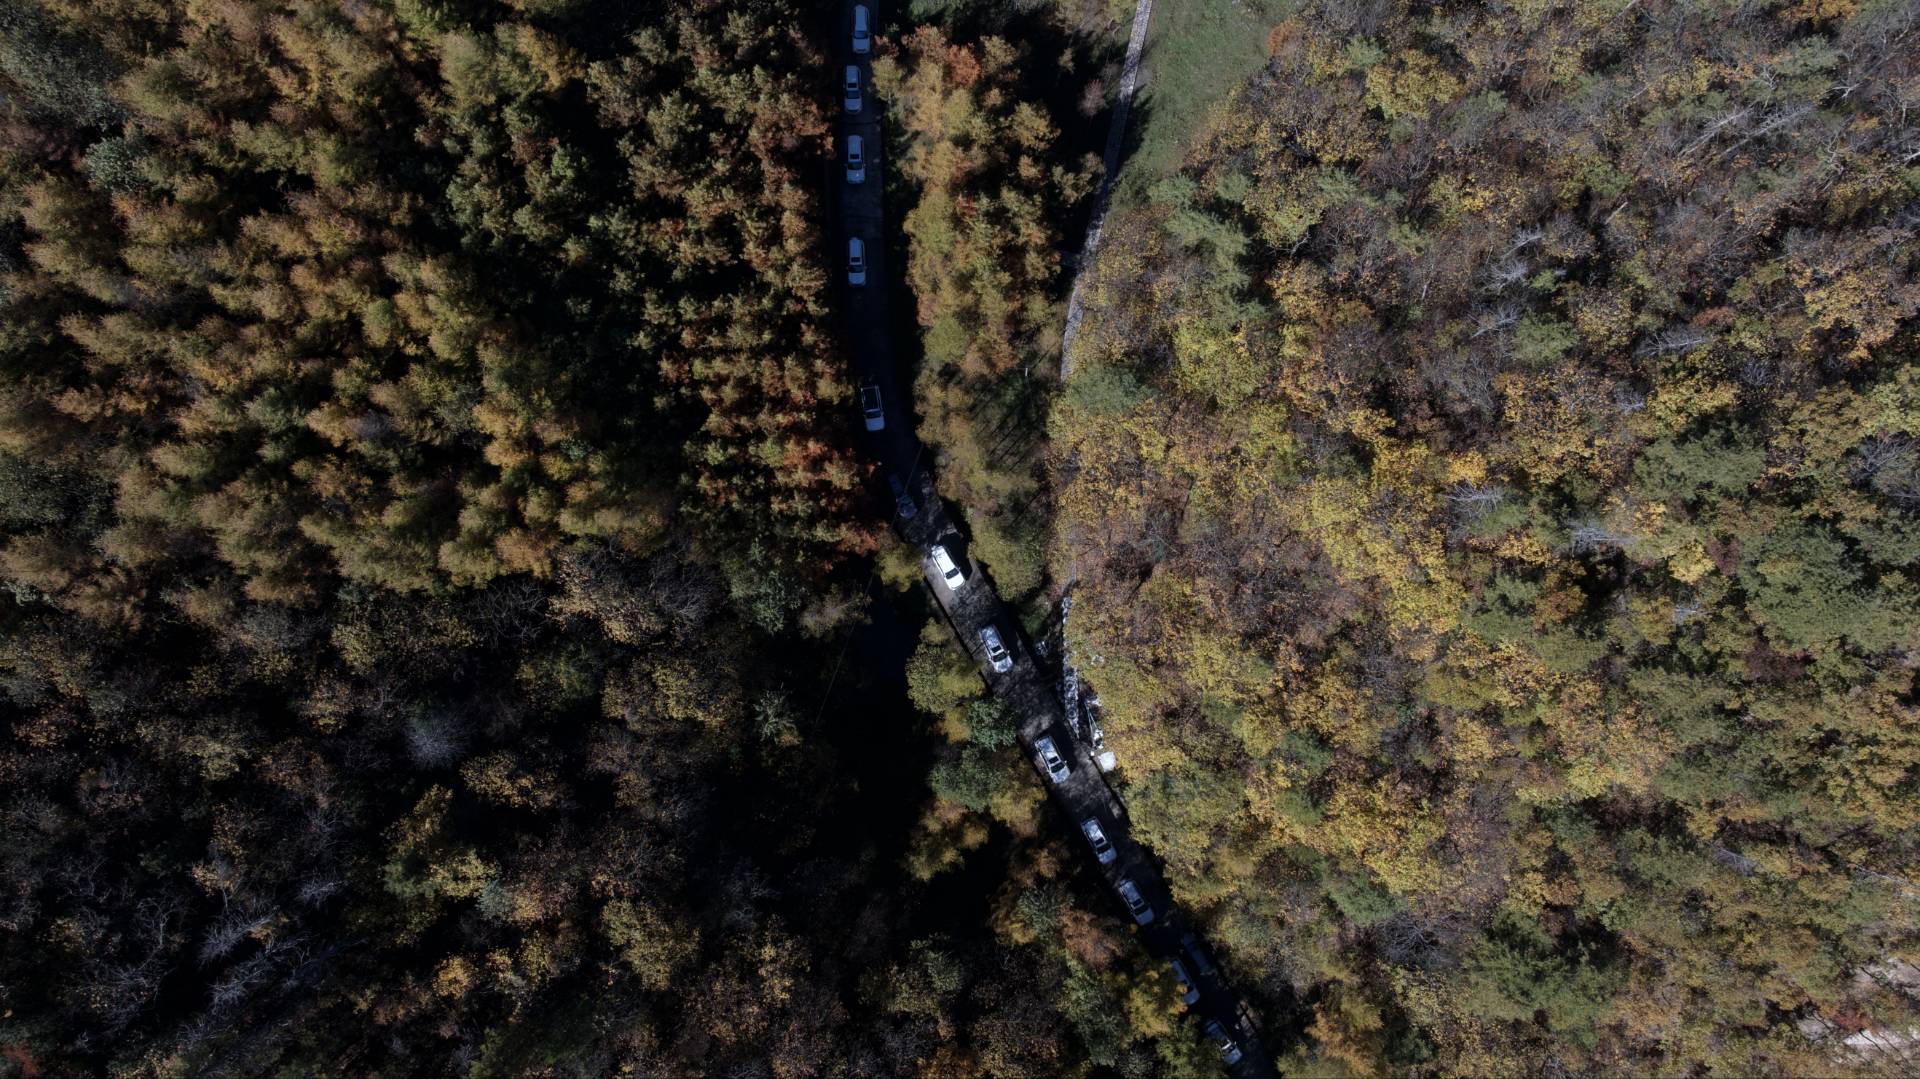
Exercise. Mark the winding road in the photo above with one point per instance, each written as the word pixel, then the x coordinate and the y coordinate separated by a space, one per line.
pixel 974 604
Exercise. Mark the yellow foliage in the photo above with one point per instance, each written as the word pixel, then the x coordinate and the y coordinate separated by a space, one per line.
pixel 454 978
pixel 1411 85
pixel 1385 828
pixel 1683 398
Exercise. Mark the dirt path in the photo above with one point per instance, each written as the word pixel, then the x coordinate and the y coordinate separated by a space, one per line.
pixel 1116 137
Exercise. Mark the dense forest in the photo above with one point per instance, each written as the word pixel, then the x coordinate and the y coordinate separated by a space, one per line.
pixel 1491 473
pixel 448 627
pixel 433 555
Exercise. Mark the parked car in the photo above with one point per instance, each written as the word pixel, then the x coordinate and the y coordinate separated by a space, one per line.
pixel 853 88
pixel 1189 992
pixel 1097 839
pixel 949 570
pixel 1136 903
pixel 1217 1034
pixel 1051 760
pixel 862 33
pixel 856 159
pixel 856 261
pixel 1190 944
pixel 902 501
pixel 870 407
pixel 998 657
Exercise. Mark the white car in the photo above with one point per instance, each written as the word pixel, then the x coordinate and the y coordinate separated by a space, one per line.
pixel 876 416
pixel 949 571
pixel 1097 839
pixel 1136 904
pixel 1051 760
pixel 856 261
pixel 998 657
pixel 856 159
pixel 853 88
pixel 862 33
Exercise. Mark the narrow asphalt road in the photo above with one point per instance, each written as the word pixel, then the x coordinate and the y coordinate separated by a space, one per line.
pixel 974 604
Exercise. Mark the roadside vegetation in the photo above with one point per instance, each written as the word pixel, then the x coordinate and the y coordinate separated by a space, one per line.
pixel 1108 1003
pixel 992 185
pixel 1493 493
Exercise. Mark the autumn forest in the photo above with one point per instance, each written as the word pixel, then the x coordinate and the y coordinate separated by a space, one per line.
pixel 452 624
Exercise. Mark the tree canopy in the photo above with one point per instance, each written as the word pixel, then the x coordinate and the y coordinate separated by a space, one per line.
pixel 1490 494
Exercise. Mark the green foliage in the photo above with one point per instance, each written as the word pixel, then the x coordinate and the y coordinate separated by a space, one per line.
pixel 1102 391
pixel 1520 973
pixel 1361 901
pixel 56 72
pixel 1806 589
pixel 940 677
pixel 1724 463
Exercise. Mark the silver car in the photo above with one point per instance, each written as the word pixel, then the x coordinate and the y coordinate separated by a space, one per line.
pixel 1097 839
pixel 862 32
pixel 853 88
pixel 998 657
pixel 1051 760
pixel 1190 944
pixel 1217 1034
pixel 1136 904
pixel 856 261
pixel 1189 992
pixel 870 407
pixel 856 159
